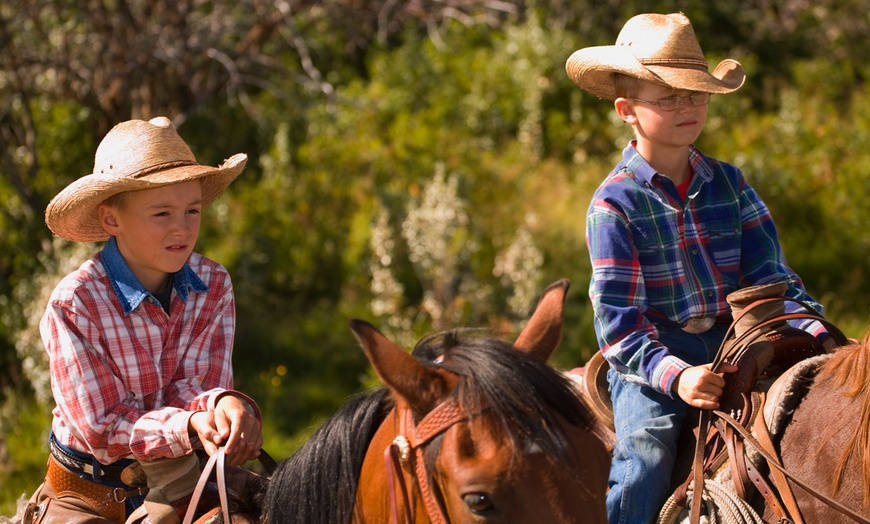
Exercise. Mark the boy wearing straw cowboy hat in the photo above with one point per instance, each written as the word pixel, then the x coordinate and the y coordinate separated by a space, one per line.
pixel 670 232
pixel 140 336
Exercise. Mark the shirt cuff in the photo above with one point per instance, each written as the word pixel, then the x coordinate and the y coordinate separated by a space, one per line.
pixel 179 433
pixel 666 372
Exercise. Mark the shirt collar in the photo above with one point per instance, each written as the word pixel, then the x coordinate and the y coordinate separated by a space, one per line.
pixel 130 291
pixel 644 172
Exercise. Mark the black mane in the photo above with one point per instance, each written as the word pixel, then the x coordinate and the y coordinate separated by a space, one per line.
pixel 528 400
pixel 317 484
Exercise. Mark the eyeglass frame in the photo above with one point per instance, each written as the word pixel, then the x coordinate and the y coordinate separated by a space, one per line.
pixel 679 100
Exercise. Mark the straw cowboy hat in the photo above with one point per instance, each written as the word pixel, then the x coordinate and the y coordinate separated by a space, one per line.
pixel 658 48
pixel 133 155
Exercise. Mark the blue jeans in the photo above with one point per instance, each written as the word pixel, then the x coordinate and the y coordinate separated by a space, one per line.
pixel 648 425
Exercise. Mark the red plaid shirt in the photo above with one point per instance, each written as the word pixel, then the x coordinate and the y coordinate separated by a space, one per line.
pixel 126 376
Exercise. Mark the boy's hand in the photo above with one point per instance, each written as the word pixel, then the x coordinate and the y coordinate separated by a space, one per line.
pixel 701 388
pixel 233 424
pixel 239 429
pixel 202 424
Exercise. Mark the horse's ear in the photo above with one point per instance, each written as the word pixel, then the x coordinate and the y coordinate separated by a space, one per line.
pixel 420 386
pixel 544 330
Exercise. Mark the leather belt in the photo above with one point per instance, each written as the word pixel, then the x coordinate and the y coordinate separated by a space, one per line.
pixel 121 473
pixel 695 325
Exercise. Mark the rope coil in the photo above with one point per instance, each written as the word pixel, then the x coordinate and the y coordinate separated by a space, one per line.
pixel 722 505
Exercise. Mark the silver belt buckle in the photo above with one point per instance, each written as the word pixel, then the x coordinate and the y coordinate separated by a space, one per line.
pixel 698 325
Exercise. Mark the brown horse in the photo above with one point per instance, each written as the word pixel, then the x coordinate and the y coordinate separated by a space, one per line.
pixel 469 429
pixel 827 442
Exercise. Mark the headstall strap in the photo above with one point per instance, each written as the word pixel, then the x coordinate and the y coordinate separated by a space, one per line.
pixel 408 445
pixel 397 454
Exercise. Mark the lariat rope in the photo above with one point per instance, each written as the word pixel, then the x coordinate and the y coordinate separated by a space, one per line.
pixel 723 506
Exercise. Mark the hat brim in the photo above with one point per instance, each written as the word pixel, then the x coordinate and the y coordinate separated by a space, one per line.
pixel 593 69
pixel 73 214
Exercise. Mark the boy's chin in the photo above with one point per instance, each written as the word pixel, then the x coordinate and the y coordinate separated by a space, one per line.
pixel 177 263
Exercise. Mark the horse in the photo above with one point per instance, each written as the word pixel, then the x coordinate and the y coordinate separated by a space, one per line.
pixel 469 428
pixel 827 442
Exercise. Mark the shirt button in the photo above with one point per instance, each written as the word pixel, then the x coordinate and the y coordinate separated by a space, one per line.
pixel 709 293
pixel 694 251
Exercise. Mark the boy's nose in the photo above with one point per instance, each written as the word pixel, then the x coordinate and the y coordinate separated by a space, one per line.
pixel 684 103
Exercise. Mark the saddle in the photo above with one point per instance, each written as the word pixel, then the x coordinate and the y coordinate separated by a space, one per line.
pixel 763 347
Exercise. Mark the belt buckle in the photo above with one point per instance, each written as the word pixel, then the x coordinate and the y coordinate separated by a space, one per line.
pixel 119 494
pixel 697 325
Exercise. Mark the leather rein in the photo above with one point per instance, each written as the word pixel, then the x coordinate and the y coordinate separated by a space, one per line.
pixel 216 462
pixel 407 449
pixel 762 444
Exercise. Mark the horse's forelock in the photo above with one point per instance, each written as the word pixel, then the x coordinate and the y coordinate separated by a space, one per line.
pixel 528 400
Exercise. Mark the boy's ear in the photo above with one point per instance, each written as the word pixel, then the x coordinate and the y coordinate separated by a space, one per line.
pixel 108 219
pixel 625 110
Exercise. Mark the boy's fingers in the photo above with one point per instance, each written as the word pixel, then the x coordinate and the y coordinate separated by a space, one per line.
pixel 209 447
pixel 727 368
pixel 222 424
pixel 203 424
pixel 246 440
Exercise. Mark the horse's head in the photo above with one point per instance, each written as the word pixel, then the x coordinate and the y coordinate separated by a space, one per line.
pixel 482 430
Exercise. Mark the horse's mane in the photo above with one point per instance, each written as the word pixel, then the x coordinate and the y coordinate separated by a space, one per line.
pixel 849 368
pixel 528 400
pixel 317 484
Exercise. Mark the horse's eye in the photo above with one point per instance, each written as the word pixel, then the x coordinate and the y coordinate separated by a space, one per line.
pixel 478 503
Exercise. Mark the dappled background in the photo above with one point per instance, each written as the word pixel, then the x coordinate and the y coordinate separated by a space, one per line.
pixel 420 164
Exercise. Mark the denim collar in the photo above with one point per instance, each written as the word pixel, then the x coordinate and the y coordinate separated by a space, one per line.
pixel 130 291
pixel 644 172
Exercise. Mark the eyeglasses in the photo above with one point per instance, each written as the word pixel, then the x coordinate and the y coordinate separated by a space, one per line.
pixel 669 103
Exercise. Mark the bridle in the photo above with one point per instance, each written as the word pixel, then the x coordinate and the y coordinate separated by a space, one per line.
pixel 407 449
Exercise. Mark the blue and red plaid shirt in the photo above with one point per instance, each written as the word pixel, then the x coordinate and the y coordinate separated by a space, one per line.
pixel 125 375
pixel 655 256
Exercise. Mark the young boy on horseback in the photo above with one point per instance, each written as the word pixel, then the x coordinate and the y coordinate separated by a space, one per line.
pixel 670 232
pixel 140 336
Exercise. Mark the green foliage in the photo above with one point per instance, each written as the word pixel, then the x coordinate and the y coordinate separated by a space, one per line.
pixel 342 157
pixel 24 442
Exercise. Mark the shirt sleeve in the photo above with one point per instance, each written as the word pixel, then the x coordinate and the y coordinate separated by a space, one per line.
pixel 763 260
pixel 88 390
pixel 625 335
